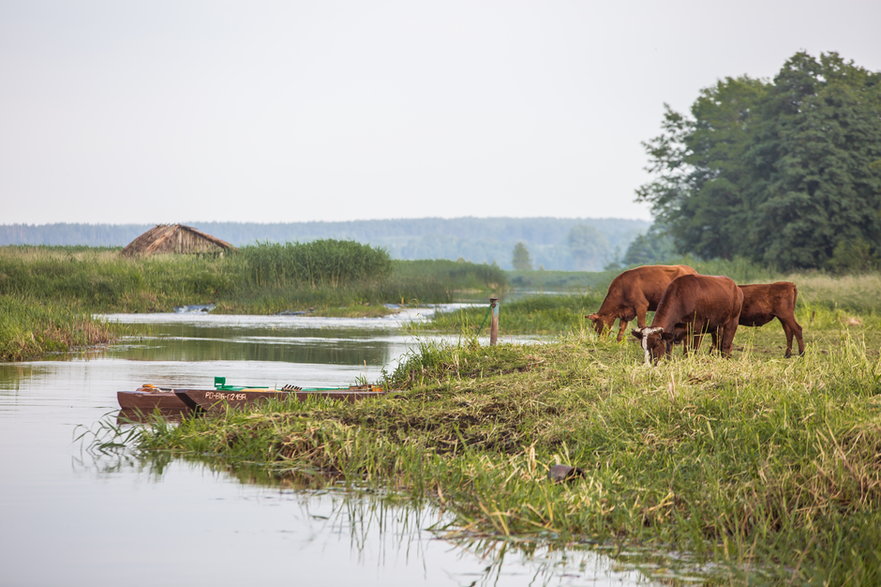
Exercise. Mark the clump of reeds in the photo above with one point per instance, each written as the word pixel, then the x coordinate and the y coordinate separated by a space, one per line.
pixel 30 328
pixel 323 262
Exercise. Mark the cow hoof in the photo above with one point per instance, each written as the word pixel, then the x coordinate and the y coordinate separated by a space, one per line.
pixel 562 473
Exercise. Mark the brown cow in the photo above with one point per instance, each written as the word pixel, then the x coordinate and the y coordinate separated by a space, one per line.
pixel 762 302
pixel 697 304
pixel 633 293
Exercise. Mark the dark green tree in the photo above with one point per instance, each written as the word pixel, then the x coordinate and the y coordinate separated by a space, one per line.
pixel 652 248
pixel 521 261
pixel 781 173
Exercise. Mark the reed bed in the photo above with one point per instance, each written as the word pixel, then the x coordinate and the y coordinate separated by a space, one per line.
pixel 30 329
pixel 323 262
pixel 330 278
pixel 103 281
pixel 765 469
pixel 260 280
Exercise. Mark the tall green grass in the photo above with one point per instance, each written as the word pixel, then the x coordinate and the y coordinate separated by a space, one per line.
pixel 855 293
pixel 324 262
pixel 261 279
pixel 30 328
pixel 102 280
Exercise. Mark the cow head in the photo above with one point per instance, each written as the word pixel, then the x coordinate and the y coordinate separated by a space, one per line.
pixel 601 323
pixel 655 342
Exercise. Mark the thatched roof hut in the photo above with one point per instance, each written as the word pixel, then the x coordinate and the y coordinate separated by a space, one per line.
pixel 178 239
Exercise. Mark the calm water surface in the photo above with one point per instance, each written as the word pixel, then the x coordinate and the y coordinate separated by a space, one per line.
pixel 68 517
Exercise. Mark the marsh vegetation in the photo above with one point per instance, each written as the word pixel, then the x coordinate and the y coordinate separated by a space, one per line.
pixel 330 278
pixel 755 468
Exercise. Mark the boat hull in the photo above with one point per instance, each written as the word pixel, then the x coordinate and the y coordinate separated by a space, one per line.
pixel 148 401
pixel 212 400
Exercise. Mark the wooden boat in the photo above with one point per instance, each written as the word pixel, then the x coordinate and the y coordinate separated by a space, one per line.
pixel 149 398
pixel 224 396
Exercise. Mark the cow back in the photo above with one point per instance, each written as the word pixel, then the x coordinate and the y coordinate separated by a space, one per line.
pixel 648 282
pixel 712 299
pixel 764 301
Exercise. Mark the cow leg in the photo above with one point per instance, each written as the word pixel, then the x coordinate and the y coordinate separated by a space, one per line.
pixel 727 338
pixel 641 311
pixel 787 330
pixel 698 335
pixel 623 326
pixel 791 328
pixel 796 328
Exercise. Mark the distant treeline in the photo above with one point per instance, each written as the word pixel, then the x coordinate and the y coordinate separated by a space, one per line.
pixel 552 243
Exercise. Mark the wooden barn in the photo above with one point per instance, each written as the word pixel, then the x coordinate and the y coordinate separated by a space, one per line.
pixel 176 239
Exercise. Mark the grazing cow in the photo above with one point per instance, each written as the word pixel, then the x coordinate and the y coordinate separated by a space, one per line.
pixel 697 304
pixel 633 293
pixel 762 302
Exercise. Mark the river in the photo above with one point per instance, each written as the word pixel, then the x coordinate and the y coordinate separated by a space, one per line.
pixel 75 517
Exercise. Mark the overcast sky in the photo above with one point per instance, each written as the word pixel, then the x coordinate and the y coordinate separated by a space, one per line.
pixel 167 111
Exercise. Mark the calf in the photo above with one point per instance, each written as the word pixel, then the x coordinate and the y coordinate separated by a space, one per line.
pixel 762 302
pixel 633 293
pixel 695 303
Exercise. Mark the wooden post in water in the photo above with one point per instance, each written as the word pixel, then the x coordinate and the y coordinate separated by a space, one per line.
pixel 494 322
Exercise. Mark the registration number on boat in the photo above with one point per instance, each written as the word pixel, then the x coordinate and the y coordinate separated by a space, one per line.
pixel 230 397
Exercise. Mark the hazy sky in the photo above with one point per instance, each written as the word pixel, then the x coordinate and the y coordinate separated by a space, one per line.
pixel 166 111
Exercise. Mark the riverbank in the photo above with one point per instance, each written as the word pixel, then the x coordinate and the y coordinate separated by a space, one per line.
pixel 30 329
pixel 752 469
pixel 53 290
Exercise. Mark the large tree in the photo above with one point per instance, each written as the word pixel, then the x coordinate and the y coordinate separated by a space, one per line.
pixel 786 172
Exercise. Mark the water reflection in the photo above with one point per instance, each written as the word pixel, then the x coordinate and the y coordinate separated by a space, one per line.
pixel 105 516
pixel 374 537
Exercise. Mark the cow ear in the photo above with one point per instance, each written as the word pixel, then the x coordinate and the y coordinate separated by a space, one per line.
pixel 667 335
pixel 594 317
pixel 637 333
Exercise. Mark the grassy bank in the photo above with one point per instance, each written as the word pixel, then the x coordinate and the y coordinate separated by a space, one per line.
pixel 767 467
pixel 329 278
pixel 30 329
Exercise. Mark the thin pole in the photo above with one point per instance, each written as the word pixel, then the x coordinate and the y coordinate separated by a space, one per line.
pixel 494 323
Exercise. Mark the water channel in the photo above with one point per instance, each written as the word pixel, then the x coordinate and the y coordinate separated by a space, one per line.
pixel 71 517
